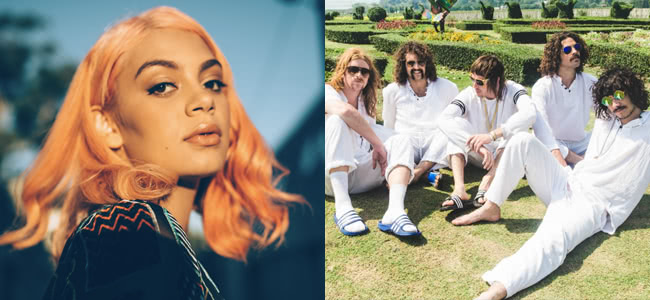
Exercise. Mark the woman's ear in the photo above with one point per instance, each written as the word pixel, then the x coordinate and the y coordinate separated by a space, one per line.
pixel 106 128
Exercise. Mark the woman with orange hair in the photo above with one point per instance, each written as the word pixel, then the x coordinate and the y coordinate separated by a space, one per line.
pixel 150 130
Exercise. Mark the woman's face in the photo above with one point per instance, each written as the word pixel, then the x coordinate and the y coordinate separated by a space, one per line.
pixel 171 107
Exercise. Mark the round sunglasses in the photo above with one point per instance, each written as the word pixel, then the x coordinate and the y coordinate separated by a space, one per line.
pixel 567 49
pixel 480 82
pixel 618 96
pixel 354 70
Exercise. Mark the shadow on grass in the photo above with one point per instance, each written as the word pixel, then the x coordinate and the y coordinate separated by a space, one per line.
pixel 639 219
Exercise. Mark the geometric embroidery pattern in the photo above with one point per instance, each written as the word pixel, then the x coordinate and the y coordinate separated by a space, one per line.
pixel 120 218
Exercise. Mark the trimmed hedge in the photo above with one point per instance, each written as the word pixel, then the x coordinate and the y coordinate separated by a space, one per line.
pixel 475 25
pixel 521 62
pixel 608 55
pixel 332 56
pixel 347 22
pixel 582 20
pixel 528 35
pixel 359 34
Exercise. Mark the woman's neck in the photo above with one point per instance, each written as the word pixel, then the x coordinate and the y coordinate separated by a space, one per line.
pixel 181 200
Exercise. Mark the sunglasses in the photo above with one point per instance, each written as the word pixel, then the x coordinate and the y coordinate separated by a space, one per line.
pixel 618 96
pixel 412 63
pixel 354 70
pixel 480 82
pixel 567 49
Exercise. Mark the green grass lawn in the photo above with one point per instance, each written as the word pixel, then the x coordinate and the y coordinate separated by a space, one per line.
pixel 446 262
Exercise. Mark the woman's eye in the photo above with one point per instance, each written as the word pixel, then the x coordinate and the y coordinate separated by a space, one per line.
pixel 161 88
pixel 215 85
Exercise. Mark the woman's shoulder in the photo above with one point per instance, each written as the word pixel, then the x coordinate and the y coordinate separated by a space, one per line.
pixel 123 216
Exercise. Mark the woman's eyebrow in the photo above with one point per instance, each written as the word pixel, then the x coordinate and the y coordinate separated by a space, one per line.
pixel 157 62
pixel 209 63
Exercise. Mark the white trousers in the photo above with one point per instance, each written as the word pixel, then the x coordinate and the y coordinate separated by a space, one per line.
pixel 343 149
pixel 569 218
pixel 578 147
pixel 432 147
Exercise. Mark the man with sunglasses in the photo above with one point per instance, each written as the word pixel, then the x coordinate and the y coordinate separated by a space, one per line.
pixel 563 96
pixel 412 106
pixel 598 195
pixel 478 123
pixel 358 152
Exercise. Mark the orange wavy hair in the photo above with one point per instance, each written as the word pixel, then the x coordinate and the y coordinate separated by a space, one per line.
pixel 77 171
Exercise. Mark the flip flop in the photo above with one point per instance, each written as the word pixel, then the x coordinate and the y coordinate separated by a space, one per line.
pixel 397 227
pixel 434 179
pixel 347 219
pixel 458 203
pixel 480 194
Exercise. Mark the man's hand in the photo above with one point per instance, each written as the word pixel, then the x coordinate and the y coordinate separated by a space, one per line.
pixel 558 156
pixel 379 157
pixel 475 142
pixel 488 159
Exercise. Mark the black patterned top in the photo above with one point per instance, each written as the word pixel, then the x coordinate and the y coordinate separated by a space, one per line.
pixel 130 250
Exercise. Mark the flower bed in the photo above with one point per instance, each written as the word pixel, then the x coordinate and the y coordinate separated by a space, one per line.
pixel 467 37
pixel 393 25
pixel 549 25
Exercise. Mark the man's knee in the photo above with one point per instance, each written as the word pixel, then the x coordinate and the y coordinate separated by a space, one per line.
pixel 522 138
pixel 334 122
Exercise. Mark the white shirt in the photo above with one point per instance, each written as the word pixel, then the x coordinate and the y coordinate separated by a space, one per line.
pixel 405 112
pixel 332 94
pixel 516 113
pixel 566 109
pixel 616 168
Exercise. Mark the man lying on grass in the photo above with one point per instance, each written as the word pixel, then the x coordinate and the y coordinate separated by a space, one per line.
pixel 597 195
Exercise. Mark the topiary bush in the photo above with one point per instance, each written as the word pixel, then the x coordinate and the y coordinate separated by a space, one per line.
pixel 487 12
pixel 475 25
pixel 550 10
pixel 514 10
pixel 620 10
pixel 418 14
pixel 408 13
pixel 358 13
pixel 566 9
pixel 376 14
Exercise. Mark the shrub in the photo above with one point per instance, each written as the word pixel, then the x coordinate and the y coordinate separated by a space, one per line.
pixel 376 14
pixel 582 13
pixel 550 10
pixel 358 13
pixel 392 25
pixel 487 12
pixel 527 35
pixel 408 13
pixel 475 25
pixel 335 14
pixel 514 11
pixel 549 25
pixel 328 16
pixel 359 34
pixel 608 55
pixel 418 14
pixel 620 10
pixel 521 62
pixel 566 9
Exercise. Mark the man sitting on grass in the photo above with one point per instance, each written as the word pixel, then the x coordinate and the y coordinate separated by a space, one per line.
pixel 491 109
pixel 598 195
pixel 563 97
pixel 412 107
pixel 355 146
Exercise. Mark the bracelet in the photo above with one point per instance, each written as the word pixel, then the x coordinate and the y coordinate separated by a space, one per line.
pixel 493 135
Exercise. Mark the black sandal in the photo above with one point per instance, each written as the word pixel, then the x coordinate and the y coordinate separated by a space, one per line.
pixel 458 203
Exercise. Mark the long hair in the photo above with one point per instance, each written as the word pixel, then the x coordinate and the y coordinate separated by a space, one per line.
pixel 618 79
pixel 422 52
pixel 77 168
pixel 553 53
pixel 490 67
pixel 369 95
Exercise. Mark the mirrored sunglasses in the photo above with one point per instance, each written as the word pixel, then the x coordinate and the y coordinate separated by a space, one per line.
pixel 354 70
pixel 618 96
pixel 567 49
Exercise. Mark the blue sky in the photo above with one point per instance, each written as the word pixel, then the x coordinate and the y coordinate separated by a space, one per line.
pixel 275 48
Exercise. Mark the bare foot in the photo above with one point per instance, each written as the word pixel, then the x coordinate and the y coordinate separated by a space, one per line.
pixel 496 292
pixel 488 212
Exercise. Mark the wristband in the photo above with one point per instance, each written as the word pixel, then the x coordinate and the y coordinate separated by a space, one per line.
pixel 493 135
